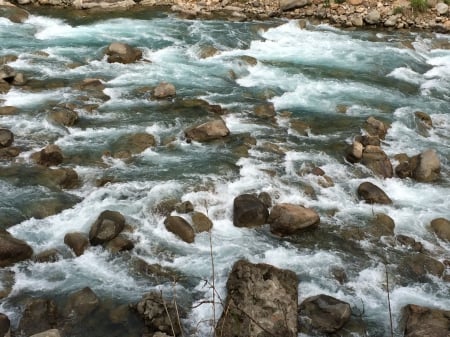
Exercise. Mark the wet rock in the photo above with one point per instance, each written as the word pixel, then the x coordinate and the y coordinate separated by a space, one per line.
pixel 134 144
pixel 425 322
pixel 7 73
pixel 325 313
pixel 38 315
pixel 13 250
pixel 265 110
pixel 92 84
pixel 155 271
pixel 122 53
pixel 51 155
pixel 47 256
pixel 81 303
pixel 207 51
pixel 184 207
pixel 63 116
pixel 325 181
pixel 428 168
pixel 77 241
pixel 289 219
pixel 9 152
pixel 6 138
pixel 265 198
pixel 4 87
pixel 376 159
pixel 164 90
pixel 261 301
pixel 419 265
pixel 159 314
pixel 372 194
pixel 286 5
pixel 441 227
pixel 4 59
pixel 375 127
pixel 5 325
pixel 119 244
pixel 19 80
pixel 339 274
pixel 424 119
pixel 373 17
pixel 249 211
pixel 7 110
pixel 211 130
pixel 300 127
pixel 403 170
pixel 14 14
pixel 180 227
pixel 382 225
pixel 107 226
pixel 48 333
pixel 368 140
pixel 64 177
pixel 201 222
pixel 355 152
pixel 165 207
pixel 409 242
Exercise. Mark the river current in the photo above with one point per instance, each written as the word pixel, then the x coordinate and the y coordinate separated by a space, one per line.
pixel 313 73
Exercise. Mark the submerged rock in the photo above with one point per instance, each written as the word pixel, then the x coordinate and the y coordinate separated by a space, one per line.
pixel 6 138
pixel 13 250
pixel 261 301
pixel 265 110
pixel 289 219
pixel 325 313
pixel 122 53
pixel 425 322
pixel 107 226
pixel 372 194
pixel 441 227
pixel 164 90
pixel 180 227
pixel 211 130
pixel 39 315
pixel 81 303
pixel 51 155
pixel 249 211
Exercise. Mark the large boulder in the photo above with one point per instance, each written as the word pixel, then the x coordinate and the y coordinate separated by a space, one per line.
pixel 249 211
pixel 374 158
pixel 63 116
pixel 289 219
pixel 381 225
pixel 261 301
pixel 159 314
pixel 375 127
pixel 6 138
pixel 419 265
pixel 425 322
pixel 122 53
pixel 201 222
pixel 286 5
pixel 325 313
pixel 428 167
pixel 441 227
pixel 51 155
pixel 13 250
pixel 211 130
pixel 39 315
pixel 77 241
pixel 81 303
pixel 164 90
pixel 372 194
pixel 180 227
pixel 355 152
pixel 64 177
pixel 107 226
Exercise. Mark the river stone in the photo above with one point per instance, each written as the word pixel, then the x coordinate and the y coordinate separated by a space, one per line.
pixel 39 315
pixel 51 155
pixel 47 256
pixel 424 118
pixel 7 73
pixel 107 226
pixel 419 265
pixel 77 241
pixel 164 90
pixel 4 87
pixel 409 242
pixel 372 194
pixel 375 127
pixel 119 244
pixel 63 116
pixel 261 301
pixel 425 322
pixel 300 127
pixel 201 222
pixel 441 227
pixel 373 18
pixel 286 5
pixel 382 225
pixel 180 227
pixel 5 325
pixel 249 211
pixel 211 130
pixel 184 207
pixel 6 138
pixel 159 314
pixel 122 53
pixel 19 79
pixel 8 110
pixel 64 177
pixel 442 8
pixel 48 333
pixel 376 159
pixel 266 110
pixel 81 303
pixel 289 219
pixel 428 168
pixel 366 140
pixel 357 20
pixel 265 198
pixel 325 313
pixel 355 152
pixel 13 250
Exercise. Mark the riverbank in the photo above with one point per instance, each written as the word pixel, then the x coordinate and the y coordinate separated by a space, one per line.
pixel 399 14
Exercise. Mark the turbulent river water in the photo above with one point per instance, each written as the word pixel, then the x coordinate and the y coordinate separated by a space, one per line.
pixel 314 73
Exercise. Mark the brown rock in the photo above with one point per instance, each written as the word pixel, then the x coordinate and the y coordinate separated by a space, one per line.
pixel 289 219
pixel 265 198
pixel 300 127
pixel 119 244
pixel 81 303
pixel 184 207
pixel 261 301
pixel 6 138
pixel 419 265
pixel 211 130
pixel 13 250
pixel 355 152
pixel 375 127
pixel 51 155
pixel 5 325
pixel 14 14
pixel 9 152
pixel 428 168
pixel 47 256
pixel 424 118
pixel 355 2
pixel 62 177
pixel 77 241
pixel 164 91
pixel 249 211
pixel 122 53
pixel 63 116
pixel 38 315
pixel 7 110
pixel 382 225
pixel 107 226
pixel 4 87
pixel 441 227
pixel 425 322
pixel 201 222
pixel 409 242
pixel 372 194
pixel 376 159
pixel 180 227
pixel 265 110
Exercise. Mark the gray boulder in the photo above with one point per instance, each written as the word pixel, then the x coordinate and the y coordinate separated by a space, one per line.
pixel 261 301
pixel 107 226
pixel 442 8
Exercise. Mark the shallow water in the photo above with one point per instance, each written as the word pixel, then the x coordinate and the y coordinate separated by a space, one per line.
pixel 310 73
